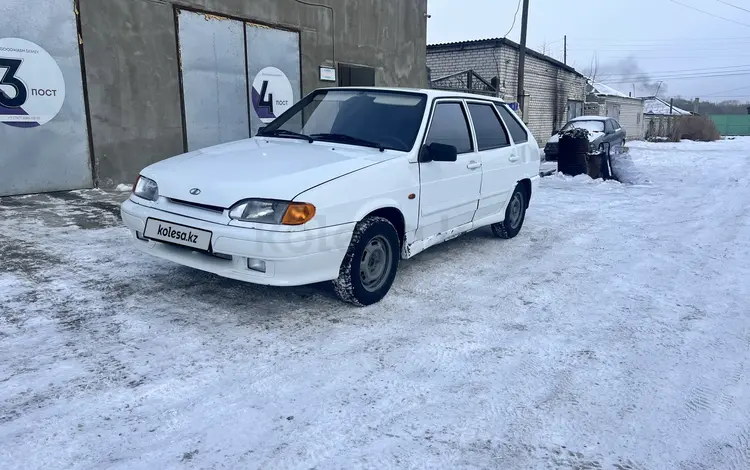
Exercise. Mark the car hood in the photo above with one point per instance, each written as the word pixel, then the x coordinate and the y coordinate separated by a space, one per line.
pixel 257 168
pixel 592 137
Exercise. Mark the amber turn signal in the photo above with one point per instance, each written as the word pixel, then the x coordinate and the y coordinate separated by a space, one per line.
pixel 298 213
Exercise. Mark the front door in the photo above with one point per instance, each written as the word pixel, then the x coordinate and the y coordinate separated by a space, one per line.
pixel 449 190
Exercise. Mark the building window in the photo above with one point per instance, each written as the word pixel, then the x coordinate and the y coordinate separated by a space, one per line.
pixel 356 75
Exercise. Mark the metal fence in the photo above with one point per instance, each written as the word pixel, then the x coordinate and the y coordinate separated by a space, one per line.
pixel 732 124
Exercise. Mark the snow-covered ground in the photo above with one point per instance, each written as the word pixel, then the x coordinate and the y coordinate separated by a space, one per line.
pixel 613 333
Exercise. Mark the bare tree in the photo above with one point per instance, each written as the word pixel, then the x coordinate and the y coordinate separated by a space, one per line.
pixel 592 72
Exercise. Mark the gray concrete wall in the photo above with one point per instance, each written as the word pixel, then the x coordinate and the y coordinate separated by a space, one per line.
pixel 132 75
pixel 549 86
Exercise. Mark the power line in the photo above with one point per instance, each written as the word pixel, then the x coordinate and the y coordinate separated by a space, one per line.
pixel 733 5
pixel 709 13
pixel 729 73
pixel 671 39
pixel 678 40
pixel 675 48
pixel 709 69
pixel 515 17
pixel 639 58
pixel 678 78
pixel 727 91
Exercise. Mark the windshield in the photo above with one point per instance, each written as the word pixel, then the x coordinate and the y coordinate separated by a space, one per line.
pixel 381 119
pixel 591 126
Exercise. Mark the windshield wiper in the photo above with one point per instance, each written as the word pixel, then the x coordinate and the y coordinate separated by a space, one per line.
pixel 286 133
pixel 348 139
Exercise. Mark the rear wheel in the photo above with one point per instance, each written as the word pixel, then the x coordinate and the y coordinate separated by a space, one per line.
pixel 369 267
pixel 514 215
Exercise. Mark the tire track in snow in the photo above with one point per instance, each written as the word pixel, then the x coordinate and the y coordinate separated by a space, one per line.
pixel 702 398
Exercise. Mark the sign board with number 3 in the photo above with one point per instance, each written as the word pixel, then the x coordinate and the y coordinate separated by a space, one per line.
pixel 32 88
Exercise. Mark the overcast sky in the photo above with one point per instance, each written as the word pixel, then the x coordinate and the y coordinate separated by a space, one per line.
pixel 639 42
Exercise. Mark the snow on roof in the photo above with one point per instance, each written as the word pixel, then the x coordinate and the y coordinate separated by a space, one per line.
pixel 602 89
pixel 589 118
pixel 654 105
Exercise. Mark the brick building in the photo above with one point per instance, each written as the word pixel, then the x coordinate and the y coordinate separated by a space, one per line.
pixel 555 92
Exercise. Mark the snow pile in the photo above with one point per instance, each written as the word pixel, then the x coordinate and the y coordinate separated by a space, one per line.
pixel 124 187
pixel 625 171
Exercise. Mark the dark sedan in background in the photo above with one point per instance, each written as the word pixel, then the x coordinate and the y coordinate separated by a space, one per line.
pixel 602 130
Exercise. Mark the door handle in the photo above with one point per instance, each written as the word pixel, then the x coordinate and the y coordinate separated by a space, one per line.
pixel 473 165
pixel 514 158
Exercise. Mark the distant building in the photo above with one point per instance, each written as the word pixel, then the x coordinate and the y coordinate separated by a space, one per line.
pixel 655 106
pixel 555 91
pixel 660 117
pixel 603 100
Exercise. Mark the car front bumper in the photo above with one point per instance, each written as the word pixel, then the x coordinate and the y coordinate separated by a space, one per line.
pixel 291 258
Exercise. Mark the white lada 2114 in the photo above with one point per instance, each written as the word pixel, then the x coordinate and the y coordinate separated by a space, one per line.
pixel 340 187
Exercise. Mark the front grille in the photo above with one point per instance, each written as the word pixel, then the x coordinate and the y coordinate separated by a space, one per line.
pixel 205 207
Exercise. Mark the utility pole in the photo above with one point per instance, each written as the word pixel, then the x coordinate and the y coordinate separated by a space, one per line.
pixel 522 56
pixel 565 54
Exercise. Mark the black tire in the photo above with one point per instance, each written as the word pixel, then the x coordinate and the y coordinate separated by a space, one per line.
pixel 351 284
pixel 513 222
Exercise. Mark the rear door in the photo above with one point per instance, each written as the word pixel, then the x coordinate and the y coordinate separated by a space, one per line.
pixel 449 190
pixel 619 130
pixel 500 162
pixel 611 135
pixel 524 144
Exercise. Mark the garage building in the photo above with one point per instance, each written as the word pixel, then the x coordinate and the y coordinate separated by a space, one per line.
pixel 554 91
pixel 92 91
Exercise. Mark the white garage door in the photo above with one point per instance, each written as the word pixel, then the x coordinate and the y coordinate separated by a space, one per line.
pixel 212 54
pixel 43 132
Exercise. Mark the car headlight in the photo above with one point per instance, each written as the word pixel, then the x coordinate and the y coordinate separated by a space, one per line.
pixel 146 188
pixel 265 211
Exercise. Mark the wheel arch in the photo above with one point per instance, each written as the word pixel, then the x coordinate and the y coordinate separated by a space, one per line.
pixel 527 188
pixel 394 216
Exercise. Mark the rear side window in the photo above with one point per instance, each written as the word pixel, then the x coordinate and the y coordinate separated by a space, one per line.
pixel 488 128
pixel 449 126
pixel 516 130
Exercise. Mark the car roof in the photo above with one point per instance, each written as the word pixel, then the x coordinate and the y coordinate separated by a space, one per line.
pixel 590 118
pixel 430 92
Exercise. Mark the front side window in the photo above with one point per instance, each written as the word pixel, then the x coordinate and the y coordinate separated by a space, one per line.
pixel 449 126
pixel 516 130
pixel 371 118
pixel 609 126
pixel 488 128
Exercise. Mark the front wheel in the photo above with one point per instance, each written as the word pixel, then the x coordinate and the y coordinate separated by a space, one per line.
pixel 514 215
pixel 369 267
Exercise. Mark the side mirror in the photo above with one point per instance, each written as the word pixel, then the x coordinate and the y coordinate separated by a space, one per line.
pixel 261 129
pixel 436 152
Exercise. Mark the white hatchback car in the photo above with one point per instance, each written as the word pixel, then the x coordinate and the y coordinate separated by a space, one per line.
pixel 340 188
